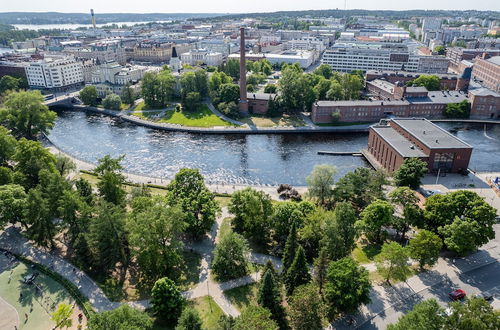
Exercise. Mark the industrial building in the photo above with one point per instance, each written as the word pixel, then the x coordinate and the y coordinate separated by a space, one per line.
pixel 392 141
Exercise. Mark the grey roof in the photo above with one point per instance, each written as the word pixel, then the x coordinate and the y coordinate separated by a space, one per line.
pixel 430 134
pixel 403 146
pixel 483 91
pixel 416 89
pixel 494 60
pixel 360 103
pixel 441 97
pixel 261 96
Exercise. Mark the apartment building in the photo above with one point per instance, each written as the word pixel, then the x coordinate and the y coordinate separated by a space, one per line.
pixel 347 57
pixel 487 72
pixel 54 73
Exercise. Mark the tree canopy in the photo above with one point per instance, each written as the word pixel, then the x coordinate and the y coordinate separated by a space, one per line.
pixel 410 173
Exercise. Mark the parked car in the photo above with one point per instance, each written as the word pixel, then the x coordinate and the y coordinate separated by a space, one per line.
pixel 484 296
pixel 457 294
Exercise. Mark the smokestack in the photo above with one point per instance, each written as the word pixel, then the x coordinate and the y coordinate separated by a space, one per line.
pixel 93 17
pixel 243 106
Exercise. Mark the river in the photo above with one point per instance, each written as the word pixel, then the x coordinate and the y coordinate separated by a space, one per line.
pixel 234 159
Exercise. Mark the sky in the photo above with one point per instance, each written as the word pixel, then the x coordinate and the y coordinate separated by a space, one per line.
pixel 231 6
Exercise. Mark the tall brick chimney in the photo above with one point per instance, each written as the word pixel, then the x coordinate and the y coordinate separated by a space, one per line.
pixel 243 105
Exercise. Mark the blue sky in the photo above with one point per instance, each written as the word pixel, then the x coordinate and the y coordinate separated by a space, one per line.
pixel 232 6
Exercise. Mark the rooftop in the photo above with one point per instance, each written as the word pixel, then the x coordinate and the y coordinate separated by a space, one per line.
pixel 495 60
pixel 440 97
pixel 430 134
pixel 404 147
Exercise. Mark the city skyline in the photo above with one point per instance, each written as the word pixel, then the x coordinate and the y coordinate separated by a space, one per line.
pixel 227 6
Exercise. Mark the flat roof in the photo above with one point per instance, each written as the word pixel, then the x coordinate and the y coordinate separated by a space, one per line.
pixel 361 103
pixel 430 134
pixel 403 146
pixel 440 97
pixel 495 60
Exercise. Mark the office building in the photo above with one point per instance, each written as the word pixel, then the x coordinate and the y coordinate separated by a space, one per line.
pixel 201 56
pixel 54 73
pixel 487 73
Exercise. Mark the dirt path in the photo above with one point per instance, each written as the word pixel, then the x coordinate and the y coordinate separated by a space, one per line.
pixel 9 318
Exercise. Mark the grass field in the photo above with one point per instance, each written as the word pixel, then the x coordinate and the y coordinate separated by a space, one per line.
pixel 243 295
pixel 37 307
pixel 285 119
pixel 202 117
pixel 366 253
pixel 208 310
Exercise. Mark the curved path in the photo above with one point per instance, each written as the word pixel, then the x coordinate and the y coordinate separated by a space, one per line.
pixel 9 317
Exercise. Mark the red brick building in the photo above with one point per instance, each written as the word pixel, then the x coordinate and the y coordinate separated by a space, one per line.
pixel 258 103
pixel 487 72
pixel 447 81
pixel 392 141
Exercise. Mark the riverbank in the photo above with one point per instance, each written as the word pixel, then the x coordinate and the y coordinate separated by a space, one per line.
pixel 218 188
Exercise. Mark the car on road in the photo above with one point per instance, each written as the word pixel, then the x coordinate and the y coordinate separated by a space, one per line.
pixel 457 294
pixel 429 192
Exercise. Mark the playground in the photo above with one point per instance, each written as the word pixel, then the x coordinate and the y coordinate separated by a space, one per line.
pixel 28 298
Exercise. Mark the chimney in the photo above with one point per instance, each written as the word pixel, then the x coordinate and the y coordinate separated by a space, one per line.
pixel 243 105
pixel 93 17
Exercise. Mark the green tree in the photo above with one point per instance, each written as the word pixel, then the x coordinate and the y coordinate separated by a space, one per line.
pixel 6 175
pixel 410 173
pixel 26 115
pixel 189 191
pixel 230 257
pixel 269 266
pixel 252 210
pixel 406 200
pixel 324 70
pixel 255 318
pixel 111 180
pixel 9 83
pixel 128 95
pixel 457 110
pixel 353 85
pixel 30 158
pixel 270 88
pixel 229 93
pixel 7 145
pixel 462 218
pixel 155 230
pixel 107 237
pixel 392 262
pixel 201 81
pixel 123 317
pixel 296 90
pixel 13 202
pixel 320 182
pixel 189 320
pixel 269 297
pixel 425 248
pixel 84 189
pixel 335 92
pixel 284 214
pixel 232 68
pixel 42 229
pixel 216 80
pixel 375 216
pixel 291 246
pixel 225 322
pixel 440 50
pixel 298 273
pixel 188 84
pixel 167 301
pixel 321 269
pixel 88 95
pixel 426 315
pixel 306 308
pixel 62 316
pixel 64 164
pixel 112 101
pixel 360 187
pixel 431 82
pixel 192 101
pixel 52 186
pixel 347 286
pixel 475 313
pixel 311 231
pixel 339 232
pixel 157 89
pixel 322 88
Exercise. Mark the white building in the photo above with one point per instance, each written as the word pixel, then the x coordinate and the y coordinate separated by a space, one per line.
pixel 110 77
pixel 56 73
pixel 308 43
pixel 196 56
pixel 304 58
pixel 431 23
pixel 347 57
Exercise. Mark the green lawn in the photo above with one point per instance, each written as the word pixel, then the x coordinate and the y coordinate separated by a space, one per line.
pixel 202 117
pixel 225 227
pixel 366 253
pixel 223 200
pixel 37 307
pixel 243 295
pixel 208 310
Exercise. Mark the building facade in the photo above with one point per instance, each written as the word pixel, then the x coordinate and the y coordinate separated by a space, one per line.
pixel 203 56
pixel 54 73
pixel 487 71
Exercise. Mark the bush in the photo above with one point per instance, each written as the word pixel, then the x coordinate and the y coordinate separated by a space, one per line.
pixel 88 95
pixel 230 109
pixel 112 102
pixel 457 110
pixel 270 88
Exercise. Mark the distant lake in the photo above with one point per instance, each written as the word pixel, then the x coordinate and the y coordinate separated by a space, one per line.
pixel 4 50
pixel 76 26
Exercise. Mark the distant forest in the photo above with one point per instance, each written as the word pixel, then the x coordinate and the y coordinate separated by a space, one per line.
pixel 84 18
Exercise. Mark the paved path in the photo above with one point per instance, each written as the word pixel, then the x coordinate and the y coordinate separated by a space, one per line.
pixel 9 317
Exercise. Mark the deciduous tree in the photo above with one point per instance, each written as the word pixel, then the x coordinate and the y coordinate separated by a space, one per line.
pixel 88 95
pixel 7 145
pixel 426 315
pixel 339 232
pixel 306 308
pixel 189 320
pixel 410 173
pixel 167 301
pixel 320 182
pixel 392 262
pixel 231 257
pixel 425 248
pixel 123 317
pixel 255 318
pixel 373 218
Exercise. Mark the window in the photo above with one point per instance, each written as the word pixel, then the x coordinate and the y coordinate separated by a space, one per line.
pixel 443 161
